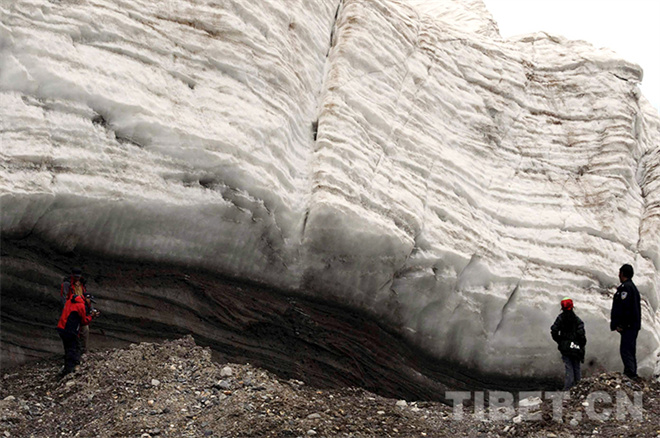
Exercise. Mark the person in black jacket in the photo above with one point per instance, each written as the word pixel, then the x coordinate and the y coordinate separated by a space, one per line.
pixel 626 318
pixel 568 332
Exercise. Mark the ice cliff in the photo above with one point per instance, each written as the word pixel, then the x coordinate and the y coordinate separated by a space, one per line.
pixel 395 157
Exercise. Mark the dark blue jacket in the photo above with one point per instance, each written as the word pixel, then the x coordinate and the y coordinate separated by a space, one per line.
pixel 626 307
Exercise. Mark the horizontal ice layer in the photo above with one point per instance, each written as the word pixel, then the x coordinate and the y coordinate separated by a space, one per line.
pixel 398 157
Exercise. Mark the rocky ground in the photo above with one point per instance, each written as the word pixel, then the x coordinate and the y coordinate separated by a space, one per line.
pixel 175 389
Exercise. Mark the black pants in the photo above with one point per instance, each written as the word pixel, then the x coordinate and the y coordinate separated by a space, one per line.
pixel 628 350
pixel 70 350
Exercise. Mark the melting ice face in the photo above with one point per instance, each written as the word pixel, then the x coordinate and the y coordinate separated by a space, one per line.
pixel 401 159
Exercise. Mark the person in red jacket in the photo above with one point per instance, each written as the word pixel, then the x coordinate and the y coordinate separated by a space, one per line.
pixel 83 335
pixel 73 315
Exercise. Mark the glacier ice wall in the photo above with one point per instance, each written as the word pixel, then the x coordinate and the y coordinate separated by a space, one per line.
pixel 393 156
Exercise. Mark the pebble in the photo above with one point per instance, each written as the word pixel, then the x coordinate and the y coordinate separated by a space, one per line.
pixel 155 382
pixel 9 398
pixel 402 403
pixel 381 412
pixel 574 422
pixel 70 383
pixel 314 416
pixel 226 372
pixel 311 432
pixel 551 435
pixel 517 419
pixel 530 401
pixel 222 384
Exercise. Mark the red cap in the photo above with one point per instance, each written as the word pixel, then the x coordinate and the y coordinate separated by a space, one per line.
pixel 566 304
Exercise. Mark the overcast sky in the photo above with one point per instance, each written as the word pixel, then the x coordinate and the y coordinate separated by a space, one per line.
pixel 629 27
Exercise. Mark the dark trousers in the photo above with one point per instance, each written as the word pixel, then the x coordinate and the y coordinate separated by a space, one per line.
pixel 70 343
pixel 573 374
pixel 628 350
pixel 83 338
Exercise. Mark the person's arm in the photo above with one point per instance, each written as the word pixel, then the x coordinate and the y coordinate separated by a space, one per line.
pixel 637 310
pixel 85 319
pixel 554 330
pixel 581 333
pixel 615 314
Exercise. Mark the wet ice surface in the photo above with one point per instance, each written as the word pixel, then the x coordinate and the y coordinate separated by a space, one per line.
pixel 399 158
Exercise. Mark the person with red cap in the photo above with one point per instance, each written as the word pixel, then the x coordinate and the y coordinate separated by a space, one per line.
pixel 569 334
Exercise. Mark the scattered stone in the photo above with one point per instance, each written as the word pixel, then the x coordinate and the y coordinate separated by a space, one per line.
pixel 70 383
pixel 574 422
pixel 530 401
pixel 124 406
pixel 9 398
pixel 311 432
pixel 155 382
pixel 226 372
pixel 222 384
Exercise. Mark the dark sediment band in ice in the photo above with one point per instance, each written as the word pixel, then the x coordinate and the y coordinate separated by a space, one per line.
pixel 322 343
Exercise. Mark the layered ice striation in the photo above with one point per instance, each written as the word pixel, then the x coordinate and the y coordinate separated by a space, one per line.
pixel 398 157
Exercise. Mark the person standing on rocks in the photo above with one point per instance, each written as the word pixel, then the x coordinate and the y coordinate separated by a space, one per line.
pixel 72 285
pixel 626 318
pixel 68 327
pixel 83 336
pixel 569 334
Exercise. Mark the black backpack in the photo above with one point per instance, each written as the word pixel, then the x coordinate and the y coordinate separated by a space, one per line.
pixel 572 344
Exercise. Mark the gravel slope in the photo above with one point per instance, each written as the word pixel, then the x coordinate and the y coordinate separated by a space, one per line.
pixel 175 389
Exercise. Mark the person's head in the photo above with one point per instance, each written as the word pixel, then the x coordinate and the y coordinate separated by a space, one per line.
pixel 76 273
pixel 566 304
pixel 626 272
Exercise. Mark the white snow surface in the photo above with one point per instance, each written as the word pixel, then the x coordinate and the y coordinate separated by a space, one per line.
pixel 458 187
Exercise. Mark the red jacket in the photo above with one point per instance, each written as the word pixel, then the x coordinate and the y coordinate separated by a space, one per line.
pixel 73 316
